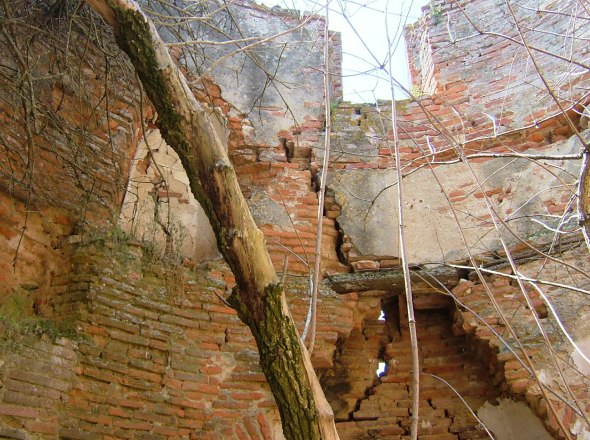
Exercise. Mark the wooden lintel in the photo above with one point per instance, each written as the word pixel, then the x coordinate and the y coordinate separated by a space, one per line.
pixel 392 281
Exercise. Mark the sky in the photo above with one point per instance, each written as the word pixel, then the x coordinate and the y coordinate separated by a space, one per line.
pixel 365 42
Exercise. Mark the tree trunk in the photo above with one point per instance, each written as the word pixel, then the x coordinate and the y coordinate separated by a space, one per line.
pixel 583 194
pixel 259 297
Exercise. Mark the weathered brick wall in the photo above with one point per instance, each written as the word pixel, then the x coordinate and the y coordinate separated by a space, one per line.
pixel 363 136
pixel 487 327
pixel 526 194
pixel 481 96
pixel 70 123
pixel 491 72
pixel 69 114
pixel 160 356
pixel 31 258
pixel 385 408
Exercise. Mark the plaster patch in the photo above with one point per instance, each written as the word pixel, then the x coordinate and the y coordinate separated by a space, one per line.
pixel 180 211
pixel 510 420
pixel 266 211
pixel 581 363
pixel 369 208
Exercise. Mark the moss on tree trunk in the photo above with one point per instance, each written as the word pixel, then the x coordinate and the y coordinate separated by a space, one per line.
pixel 259 298
pixel 281 361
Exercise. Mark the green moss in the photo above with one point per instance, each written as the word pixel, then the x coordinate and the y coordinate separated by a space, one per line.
pixel 281 359
pixel 436 13
pixel 117 236
pixel 401 106
pixel 134 36
pixel 16 321
pixel 333 107
pixel 114 241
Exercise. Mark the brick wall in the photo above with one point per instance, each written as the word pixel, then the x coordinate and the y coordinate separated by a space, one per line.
pixel 70 125
pixel 385 408
pixel 162 357
pixel 72 149
pixel 158 354
pixel 490 73
pixel 487 327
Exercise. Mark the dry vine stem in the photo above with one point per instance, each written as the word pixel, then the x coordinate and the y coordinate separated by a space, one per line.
pixel 322 190
pixel 524 359
pixel 259 297
pixel 404 260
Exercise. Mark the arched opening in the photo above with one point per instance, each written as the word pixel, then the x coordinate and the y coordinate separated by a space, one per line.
pixel 159 208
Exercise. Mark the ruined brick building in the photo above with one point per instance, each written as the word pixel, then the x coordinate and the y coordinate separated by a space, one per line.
pixel 111 297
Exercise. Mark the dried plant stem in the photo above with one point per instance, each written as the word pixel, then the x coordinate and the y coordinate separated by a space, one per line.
pixel 322 189
pixel 404 261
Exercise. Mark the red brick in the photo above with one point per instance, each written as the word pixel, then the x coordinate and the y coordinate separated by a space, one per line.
pixel 41 427
pixel 264 427
pixel 365 265
pixel 7 232
pixel 220 309
pixel 519 386
pixel 185 403
pixel 18 411
pixel 137 426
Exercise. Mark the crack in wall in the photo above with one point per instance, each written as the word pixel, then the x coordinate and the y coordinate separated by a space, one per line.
pixel 368 406
pixel 389 319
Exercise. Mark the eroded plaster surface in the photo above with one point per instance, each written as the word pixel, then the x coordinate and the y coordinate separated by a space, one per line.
pixel 159 202
pixel 369 213
pixel 274 82
pixel 509 420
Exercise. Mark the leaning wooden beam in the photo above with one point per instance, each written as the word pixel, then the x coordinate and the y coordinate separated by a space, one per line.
pixel 583 194
pixel 259 297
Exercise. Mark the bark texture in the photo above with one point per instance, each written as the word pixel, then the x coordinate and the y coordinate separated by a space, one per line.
pixel 258 297
pixel 584 197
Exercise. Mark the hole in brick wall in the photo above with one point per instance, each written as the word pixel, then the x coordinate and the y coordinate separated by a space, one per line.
pixel 289 147
pixel 389 317
pixel 339 242
pixel 390 313
pixel 463 274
